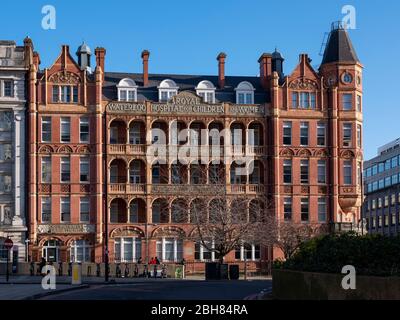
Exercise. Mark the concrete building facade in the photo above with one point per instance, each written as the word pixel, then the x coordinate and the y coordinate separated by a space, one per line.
pixel 14 66
pixel 381 205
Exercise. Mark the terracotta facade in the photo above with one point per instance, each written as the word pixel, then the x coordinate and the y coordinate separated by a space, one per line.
pixel 322 108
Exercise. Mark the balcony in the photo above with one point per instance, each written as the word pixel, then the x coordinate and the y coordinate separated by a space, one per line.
pixel 116 148
pixel 117 188
pixel 123 188
pixel 130 149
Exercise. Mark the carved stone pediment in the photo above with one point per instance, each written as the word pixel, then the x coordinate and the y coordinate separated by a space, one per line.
pixel 303 84
pixel 127 232
pixel 64 77
pixel 65 228
pixel 172 232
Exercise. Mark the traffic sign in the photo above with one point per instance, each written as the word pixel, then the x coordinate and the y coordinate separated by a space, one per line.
pixel 8 244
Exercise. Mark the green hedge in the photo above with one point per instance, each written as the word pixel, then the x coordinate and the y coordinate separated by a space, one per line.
pixel 370 255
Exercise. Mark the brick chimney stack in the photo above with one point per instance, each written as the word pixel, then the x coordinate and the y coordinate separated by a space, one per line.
pixel 100 59
pixel 145 58
pixel 221 70
pixel 265 62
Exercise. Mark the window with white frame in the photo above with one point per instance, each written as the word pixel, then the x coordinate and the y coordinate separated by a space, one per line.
pixel 321 134
pixel 65 209
pixel 84 167
pixel 127 90
pixel 65 170
pixel 80 251
pixel 245 93
pixel 84 209
pixel 201 253
pixel 7 88
pixel 46 129
pixel 46 210
pixel 303 100
pixel 166 90
pixel 206 90
pixel 170 249
pixel 84 130
pixel 6 152
pixel 65 129
pixel 65 94
pixel 5 183
pixel 6 120
pixel 127 249
pixel 46 170
pixel 322 212
pixel 249 252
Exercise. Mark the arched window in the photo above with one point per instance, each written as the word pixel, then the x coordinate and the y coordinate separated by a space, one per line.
pixel 127 90
pixel 160 211
pixel 166 90
pixel 118 211
pixel 80 251
pixel 245 93
pixel 137 211
pixel 206 90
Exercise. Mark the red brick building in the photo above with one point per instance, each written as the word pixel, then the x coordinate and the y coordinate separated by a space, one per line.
pixel 92 133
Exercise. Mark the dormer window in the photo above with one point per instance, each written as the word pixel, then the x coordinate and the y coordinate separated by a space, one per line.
pixel 166 90
pixel 245 93
pixel 127 90
pixel 206 90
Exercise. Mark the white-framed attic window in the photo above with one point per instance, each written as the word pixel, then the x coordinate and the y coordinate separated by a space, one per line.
pixel 245 93
pixel 206 90
pixel 166 90
pixel 127 90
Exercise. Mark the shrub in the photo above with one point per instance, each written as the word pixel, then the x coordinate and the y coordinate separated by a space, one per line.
pixel 371 255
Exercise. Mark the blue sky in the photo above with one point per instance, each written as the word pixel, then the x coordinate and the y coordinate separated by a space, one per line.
pixel 185 36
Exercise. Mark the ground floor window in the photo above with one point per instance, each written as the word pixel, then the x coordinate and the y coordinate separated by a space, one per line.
pixel 128 249
pixel 201 253
pixel 80 251
pixel 248 252
pixel 170 249
pixel 51 250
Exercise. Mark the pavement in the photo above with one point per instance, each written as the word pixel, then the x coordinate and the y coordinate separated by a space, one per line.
pixel 194 287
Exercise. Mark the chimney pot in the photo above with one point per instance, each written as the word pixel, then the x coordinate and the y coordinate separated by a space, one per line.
pixel 265 62
pixel 100 59
pixel 221 69
pixel 145 58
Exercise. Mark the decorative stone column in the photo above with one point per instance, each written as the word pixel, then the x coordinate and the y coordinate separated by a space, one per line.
pixel 19 169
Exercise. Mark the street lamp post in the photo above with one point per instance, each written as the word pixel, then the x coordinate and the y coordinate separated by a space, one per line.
pixel 245 263
pixel 27 250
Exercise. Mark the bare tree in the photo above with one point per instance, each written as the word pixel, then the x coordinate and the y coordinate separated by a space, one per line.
pixel 288 235
pixel 222 221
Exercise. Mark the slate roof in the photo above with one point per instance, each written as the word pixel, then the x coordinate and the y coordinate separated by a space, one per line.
pixel 185 83
pixel 339 48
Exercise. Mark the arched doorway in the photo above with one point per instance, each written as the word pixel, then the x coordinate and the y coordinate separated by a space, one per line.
pixel 51 250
